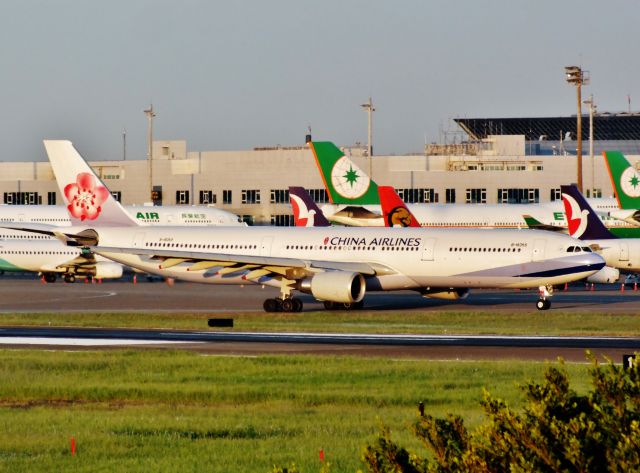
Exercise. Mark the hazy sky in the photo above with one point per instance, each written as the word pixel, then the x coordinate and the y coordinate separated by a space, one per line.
pixel 240 74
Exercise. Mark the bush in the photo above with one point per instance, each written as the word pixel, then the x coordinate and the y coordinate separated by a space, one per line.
pixel 558 430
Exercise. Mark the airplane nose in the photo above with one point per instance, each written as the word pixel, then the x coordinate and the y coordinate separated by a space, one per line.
pixel 593 260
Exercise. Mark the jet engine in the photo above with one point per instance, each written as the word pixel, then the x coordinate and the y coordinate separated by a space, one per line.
pixel 103 270
pixel 447 294
pixel 605 275
pixel 335 286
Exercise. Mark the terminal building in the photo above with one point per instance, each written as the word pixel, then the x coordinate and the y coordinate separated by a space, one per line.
pixel 496 160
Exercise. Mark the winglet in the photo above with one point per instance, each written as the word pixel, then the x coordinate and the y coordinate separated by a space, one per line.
pixel 345 182
pixel 625 179
pixel 87 199
pixel 583 222
pixel 305 211
pixel 394 211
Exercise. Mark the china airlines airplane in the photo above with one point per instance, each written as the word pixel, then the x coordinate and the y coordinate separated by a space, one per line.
pixel 620 253
pixel 336 265
pixel 355 202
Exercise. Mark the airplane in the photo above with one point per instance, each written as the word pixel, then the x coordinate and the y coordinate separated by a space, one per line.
pixel 335 265
pixel 354 201
pixel 52 257
pixel 147 215
pixel 620 253
pixel 625 179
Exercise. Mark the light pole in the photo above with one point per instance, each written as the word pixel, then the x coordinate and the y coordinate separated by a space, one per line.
pixel 577 77
pixel 150 114
pixel 369 108
pixel 592 109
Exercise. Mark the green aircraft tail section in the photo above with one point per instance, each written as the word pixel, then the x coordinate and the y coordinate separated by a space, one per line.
pixel 345 182
pixel 625 179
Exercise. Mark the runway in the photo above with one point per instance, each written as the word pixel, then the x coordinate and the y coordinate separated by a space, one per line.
pixel 30 295
pixel 447 346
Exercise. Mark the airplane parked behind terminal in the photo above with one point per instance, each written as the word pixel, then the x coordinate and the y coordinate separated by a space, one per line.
pixel 335 265
pixel 354 201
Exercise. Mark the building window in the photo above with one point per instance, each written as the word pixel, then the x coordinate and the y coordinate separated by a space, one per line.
pixel 477 196
pixel 556 194
pixel 450 196
pixel 22 198
pixel 248 219
pixel 250 196
pixel 182 197
pixel 51 198
pixel 10 198
pixel 518 196
pixel 282 220
pixel 417 196
pixel 319 196
pixel 595 193
pixel 226 197
pixel 279 196
pixel 207 197
pixel 117 195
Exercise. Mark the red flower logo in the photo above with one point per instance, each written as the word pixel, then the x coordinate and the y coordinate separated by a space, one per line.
pixel 84 197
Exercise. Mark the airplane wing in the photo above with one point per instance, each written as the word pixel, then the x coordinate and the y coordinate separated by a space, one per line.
pixel 257 266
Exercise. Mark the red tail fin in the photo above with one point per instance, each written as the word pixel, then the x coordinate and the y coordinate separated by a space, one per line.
pixel 395 212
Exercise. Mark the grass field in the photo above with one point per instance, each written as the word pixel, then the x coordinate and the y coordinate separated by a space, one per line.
pixel 152 410
pixel 428 322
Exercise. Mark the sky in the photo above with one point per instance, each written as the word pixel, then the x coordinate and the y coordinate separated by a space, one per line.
pixel 239 74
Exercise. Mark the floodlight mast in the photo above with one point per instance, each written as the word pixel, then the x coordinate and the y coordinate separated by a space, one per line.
pixel 577 77
pixel 150 114
pixel 369 108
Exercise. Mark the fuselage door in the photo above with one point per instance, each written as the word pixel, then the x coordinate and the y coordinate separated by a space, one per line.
pixel 428 249
pixel 265 246
pixel 538 250
pixel 624 251
pixel 138 240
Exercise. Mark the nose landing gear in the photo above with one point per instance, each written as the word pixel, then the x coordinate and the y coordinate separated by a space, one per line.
pixel 543 302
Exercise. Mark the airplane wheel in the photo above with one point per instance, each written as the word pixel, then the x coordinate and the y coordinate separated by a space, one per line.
pixel 50 277
pixel 543 304
pixel 297 304
pixel 270 305
pixel 287 305
pixel 329 305
pixel 70 278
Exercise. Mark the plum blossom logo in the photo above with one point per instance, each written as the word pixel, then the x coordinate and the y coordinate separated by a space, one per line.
pixel 84 197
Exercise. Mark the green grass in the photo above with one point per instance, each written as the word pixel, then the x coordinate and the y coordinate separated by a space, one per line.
pixel 152 410
pixel 430 322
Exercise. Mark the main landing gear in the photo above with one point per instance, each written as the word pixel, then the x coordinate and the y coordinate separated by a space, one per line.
pixel 545 293
pixel 287 304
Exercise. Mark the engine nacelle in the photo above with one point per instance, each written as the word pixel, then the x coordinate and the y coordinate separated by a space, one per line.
pixel 335 286
pixel 450 294
pixel 605 275
pixel 105 270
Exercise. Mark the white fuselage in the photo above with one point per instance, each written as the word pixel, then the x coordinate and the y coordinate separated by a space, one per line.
pixel 478 215
pixel 193 216
pixel 408 258
pixel 621 253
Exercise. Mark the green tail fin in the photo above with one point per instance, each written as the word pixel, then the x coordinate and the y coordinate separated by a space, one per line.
pixel 345 182
pixel 625 179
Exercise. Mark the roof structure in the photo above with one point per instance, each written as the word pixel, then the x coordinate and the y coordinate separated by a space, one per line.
pixel 622 127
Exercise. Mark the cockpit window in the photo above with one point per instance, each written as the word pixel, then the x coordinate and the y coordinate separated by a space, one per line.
pixel 587 249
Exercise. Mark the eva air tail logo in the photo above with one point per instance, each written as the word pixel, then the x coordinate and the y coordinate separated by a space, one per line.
pixel 630 182
pixel 348 179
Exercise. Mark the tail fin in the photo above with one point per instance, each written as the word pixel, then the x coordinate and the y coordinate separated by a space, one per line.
pixel 345 182
pixel 395 212
pixel 625 179
pixel 305 211
pixel 583 222
pixel 86 196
